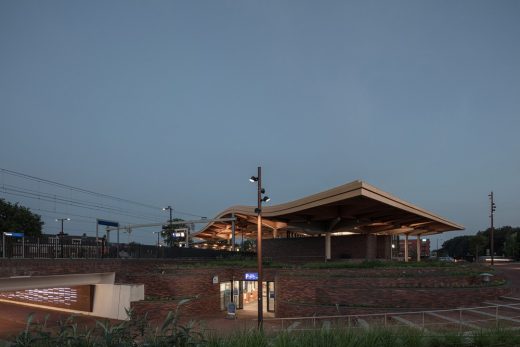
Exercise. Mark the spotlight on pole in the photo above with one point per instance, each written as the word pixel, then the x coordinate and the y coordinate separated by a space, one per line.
pixel 258 211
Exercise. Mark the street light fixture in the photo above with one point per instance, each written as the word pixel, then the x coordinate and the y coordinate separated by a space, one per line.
pixel 170 209
pixel 61 233
pixel 258 210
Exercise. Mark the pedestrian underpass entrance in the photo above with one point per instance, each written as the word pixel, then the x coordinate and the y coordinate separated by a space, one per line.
pixel 90 294
pixel 244 294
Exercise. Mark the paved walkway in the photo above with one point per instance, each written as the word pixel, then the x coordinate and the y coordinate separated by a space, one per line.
pixel 511 271
pixel 13 318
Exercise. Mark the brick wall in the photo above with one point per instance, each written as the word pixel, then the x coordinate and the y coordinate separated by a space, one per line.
pixel 298 292
pixel 341 292
pixel 313 248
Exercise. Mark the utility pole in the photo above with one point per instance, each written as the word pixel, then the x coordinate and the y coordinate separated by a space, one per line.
pixel 170 227
pixel 492 208
pixel 61 234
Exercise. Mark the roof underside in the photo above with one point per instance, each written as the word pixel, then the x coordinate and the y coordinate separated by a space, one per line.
pixel 356 207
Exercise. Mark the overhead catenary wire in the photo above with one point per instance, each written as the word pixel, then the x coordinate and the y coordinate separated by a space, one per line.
pixel 85 191
pixel 68 201
pixel 46 193
pixel 71 204
pixel 91 219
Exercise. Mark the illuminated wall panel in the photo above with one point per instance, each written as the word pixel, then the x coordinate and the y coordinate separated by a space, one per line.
pixel 74 298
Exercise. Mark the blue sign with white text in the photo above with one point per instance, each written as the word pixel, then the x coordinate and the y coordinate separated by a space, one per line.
pixel 14 234
pixel 251 276
pixel 107 223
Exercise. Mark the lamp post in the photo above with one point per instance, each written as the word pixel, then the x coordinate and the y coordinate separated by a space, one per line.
pixel 61 234
pixel 158 233
pixel 258 211
pixel 491 236
pixel 170 209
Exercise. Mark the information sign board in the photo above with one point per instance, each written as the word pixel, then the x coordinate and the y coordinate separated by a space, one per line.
pixel 251 276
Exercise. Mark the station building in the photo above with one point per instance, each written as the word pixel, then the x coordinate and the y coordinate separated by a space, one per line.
pixel 353 221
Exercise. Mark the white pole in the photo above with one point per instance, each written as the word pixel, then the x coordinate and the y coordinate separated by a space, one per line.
pixel 327 246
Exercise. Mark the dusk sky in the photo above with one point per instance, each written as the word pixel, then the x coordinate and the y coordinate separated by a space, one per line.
pixel 178 102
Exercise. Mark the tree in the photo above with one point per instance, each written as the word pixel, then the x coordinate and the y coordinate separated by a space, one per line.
pixel 478 245
pixel 511 246
pixel 249 245
pixel 506 242
pixel 502 236
pixel 16 218
pixel 170 235
pixel 458 247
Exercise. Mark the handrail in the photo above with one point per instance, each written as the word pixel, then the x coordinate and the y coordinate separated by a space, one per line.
pixel 390 314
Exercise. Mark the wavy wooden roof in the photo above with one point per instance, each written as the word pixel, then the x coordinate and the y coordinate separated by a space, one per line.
pixel 355 207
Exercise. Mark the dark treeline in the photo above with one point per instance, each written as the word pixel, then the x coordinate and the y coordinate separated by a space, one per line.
pixel 17 218
pixel 506 243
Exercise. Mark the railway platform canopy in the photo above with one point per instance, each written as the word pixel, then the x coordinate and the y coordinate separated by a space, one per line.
pixel 355 208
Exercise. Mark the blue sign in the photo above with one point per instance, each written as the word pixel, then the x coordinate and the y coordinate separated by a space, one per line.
pixel 108 223
pixel 251 276
pixel 14 234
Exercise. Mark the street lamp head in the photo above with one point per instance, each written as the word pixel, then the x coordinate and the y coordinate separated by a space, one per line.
pixel 262 191
pixel 253 179
pixel 266 198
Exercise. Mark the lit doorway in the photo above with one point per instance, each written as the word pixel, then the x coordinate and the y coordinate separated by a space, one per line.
pixel 244 294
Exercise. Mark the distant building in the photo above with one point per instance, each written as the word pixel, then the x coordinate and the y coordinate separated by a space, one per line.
pixel 412 246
